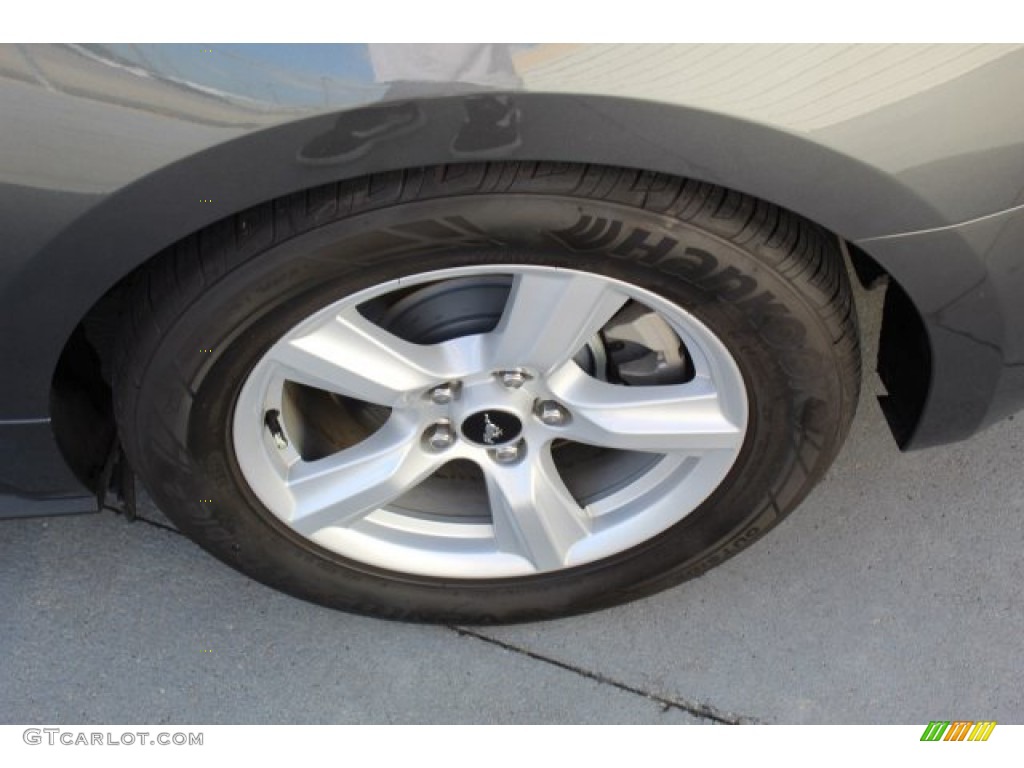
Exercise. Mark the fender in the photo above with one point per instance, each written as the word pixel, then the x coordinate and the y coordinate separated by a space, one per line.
pixel 124 229
pixel 60 274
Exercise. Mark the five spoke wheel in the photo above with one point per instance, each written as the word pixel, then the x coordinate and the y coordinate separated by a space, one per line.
pixel 490 421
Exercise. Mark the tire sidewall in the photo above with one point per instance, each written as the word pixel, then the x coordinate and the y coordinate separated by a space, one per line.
pixel 183 405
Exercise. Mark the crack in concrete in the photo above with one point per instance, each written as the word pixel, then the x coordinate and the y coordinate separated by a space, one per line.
pixel 693 708
pixel 696 709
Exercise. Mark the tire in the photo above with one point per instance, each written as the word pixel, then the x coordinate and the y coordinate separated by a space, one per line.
pixel 490 392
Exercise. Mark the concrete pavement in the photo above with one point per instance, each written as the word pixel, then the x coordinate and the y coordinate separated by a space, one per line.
pixel 892 595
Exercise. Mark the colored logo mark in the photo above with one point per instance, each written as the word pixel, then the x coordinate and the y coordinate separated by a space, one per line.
pixel 958 730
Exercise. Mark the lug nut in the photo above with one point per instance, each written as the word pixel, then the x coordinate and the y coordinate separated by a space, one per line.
pixel 440 436
pixel 513 379
pixel 551 413
pixel 443 394
pixel 506 454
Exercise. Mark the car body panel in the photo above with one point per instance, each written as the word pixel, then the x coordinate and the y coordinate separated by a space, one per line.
pixel 967 283
pixel 108 154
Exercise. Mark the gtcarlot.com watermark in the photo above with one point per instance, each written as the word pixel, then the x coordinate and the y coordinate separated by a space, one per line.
pixel 59 736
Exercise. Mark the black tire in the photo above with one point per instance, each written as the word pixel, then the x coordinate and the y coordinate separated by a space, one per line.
pixel 771 286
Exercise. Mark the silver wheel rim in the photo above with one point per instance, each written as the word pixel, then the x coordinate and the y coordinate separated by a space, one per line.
pixel 394 499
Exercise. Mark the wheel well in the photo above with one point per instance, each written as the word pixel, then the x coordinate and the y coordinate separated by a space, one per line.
pixel 82 403
pixel 904 362
pixel 81 399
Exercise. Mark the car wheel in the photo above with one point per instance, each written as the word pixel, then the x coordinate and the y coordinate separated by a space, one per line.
pixel 488 392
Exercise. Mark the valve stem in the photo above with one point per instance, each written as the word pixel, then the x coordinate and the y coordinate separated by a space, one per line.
pixel 273 423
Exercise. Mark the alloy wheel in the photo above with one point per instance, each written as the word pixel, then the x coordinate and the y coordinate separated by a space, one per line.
pixel 489 422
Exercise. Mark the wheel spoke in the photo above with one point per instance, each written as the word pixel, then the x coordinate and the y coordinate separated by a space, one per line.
pixel 550 316
pixel 342 488
pixel 352 356
pixel 534 514
pixel 688 418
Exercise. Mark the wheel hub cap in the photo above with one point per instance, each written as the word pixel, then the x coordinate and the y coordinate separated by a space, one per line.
pixel 492 427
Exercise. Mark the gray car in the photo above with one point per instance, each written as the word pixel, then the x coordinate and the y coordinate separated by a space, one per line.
pixel 488 333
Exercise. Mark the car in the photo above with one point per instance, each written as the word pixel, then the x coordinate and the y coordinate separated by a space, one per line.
pixel 491 333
